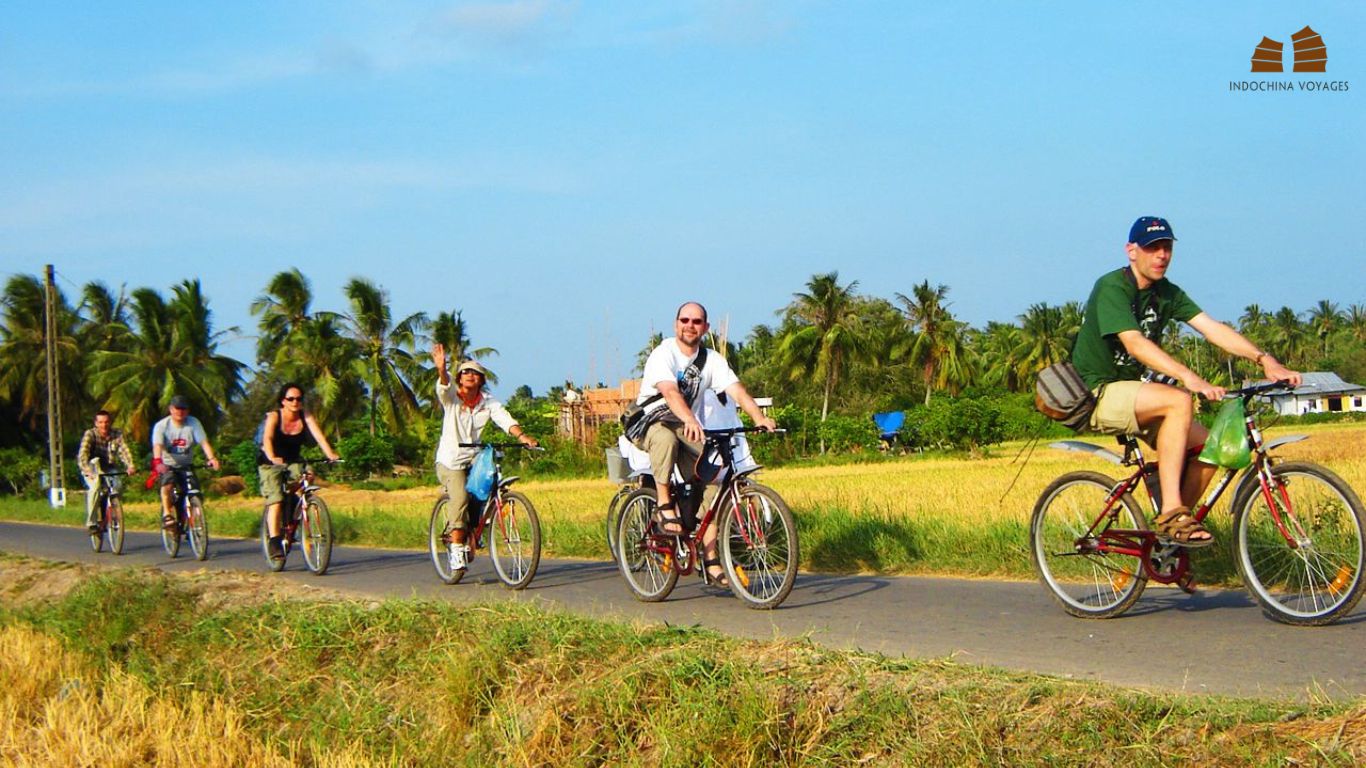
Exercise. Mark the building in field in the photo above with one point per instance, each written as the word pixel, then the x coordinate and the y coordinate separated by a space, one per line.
pixel 1321 392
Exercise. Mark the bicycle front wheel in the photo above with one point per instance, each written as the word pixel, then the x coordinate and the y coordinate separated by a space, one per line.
pixel 197 528
pixel 170 538
pixel 514 540
pixel 758 538
pixel 315 536
pixel 1298 545
pixel 97 538
pixel 439 544
pixel 645 560
pixel 1066 547
pixel 114 525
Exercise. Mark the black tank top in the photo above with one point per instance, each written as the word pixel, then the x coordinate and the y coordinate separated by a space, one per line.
pixel 288 447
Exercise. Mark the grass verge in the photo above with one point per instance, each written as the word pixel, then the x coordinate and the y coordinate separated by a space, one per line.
pixel 136 666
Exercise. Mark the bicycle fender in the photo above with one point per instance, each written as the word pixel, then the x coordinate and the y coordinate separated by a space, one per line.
pixel 505 482
pixel 1283 440
pixel 1083 447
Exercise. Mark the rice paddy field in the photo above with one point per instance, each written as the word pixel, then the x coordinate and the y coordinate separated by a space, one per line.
pixel 934 514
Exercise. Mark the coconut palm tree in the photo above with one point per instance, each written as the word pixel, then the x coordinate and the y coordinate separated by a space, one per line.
pixel 104 317
pixel 284 308
pixel 937 342
pixel 1287 336
pixel 385 362
pixel 824 335
pixel 1045 336
pixel 172 349
pixel 1325 319
pixel 23 352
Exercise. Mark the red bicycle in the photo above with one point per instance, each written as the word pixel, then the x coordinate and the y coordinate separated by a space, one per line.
pixel 756 535
pixel 506 523
pixel 304 520
pixel 1297 533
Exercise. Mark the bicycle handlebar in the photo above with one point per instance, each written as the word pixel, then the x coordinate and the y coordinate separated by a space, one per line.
pixel 740 430
pixel 502 445
pixel 1258 389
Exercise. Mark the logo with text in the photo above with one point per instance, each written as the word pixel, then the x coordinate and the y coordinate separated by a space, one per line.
pixel 1309 54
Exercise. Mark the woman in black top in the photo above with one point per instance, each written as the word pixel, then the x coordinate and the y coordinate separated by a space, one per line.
pixel 283 436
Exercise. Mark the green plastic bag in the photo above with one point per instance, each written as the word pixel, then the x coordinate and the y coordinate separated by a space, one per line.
pixel 1227 445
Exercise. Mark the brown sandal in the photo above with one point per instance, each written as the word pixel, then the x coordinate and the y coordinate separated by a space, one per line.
pixel 1183 529
pixel 667 524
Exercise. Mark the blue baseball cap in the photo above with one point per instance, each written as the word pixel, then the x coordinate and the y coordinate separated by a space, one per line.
pixel 1149 229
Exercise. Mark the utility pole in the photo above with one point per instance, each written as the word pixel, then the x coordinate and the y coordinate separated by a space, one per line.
pixel 55 470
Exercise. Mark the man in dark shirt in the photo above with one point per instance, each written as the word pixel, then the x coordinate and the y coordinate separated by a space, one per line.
pixel 1126 314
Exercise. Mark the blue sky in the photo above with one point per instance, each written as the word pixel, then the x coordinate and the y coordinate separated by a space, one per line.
pixel 566 173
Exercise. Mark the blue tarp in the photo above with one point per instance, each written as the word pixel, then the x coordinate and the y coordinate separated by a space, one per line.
pixel 889 423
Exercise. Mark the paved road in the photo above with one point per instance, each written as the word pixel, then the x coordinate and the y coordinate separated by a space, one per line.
pixel 1015 625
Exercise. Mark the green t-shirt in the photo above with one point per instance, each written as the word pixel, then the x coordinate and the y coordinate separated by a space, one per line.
pixel 1116 305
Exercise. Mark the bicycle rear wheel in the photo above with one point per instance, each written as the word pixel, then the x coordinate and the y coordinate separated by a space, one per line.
pixel 315 535
pixel 439 543
pixel 1065 546
pixel 758 538
pixel 197 528
pixel 645 560
pixel 274 564
pixel 514 540
pixel 614 517
pixel 1315 577
pixel 113 522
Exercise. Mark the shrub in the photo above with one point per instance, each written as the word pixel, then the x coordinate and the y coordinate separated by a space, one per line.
pixel 19 470
pixel 848 433
pixel 242 461
pixel 365 455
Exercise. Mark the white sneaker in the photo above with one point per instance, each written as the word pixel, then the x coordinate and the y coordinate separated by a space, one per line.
pixel 457 557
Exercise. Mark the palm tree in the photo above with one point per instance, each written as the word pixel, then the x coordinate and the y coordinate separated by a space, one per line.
pixel 23 352
pixel 825 336
pixel 386 362
pixel 1045 336
pixel 1324 319
pixel 1286 334
pixel 994 351
pixel 284 309
pixel 104 317
pixel 172 349
pixel 937 345
pixel 1356 322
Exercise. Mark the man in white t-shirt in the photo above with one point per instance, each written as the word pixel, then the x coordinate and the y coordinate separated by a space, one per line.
pixel 671 391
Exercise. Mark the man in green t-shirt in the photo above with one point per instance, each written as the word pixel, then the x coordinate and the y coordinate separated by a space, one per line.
pixel 1120 334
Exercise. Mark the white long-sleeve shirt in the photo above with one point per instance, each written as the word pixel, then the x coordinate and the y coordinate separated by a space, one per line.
pixel 463 424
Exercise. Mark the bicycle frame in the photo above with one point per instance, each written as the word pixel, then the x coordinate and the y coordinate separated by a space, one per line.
pixel 1144 544
pixel 495 500
pixel 682 551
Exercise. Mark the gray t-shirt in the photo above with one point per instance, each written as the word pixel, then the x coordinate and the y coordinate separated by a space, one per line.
pixel 177 443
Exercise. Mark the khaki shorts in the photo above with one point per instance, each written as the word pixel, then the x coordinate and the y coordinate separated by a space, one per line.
pixel 1114 414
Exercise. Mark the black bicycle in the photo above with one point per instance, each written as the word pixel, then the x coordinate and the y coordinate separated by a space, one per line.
pixel 188 501
pixel 110 505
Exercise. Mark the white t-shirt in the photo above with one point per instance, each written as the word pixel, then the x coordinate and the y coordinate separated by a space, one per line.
pixel 667 363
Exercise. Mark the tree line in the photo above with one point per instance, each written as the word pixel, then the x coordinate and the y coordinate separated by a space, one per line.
pixel 834 353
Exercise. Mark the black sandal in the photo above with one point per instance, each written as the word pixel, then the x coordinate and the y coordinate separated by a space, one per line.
pixel 720 579
pixel 661 520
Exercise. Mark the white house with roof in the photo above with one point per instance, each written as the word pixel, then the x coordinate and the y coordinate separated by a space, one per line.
pixel 1321 392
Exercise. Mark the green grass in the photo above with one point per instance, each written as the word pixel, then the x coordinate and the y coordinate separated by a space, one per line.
pixel 511 684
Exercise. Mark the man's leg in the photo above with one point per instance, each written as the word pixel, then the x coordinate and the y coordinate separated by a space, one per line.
pixel 92 500
pixel 1169 408
pixel 167 481
pixel 661 442
pixel 1198 473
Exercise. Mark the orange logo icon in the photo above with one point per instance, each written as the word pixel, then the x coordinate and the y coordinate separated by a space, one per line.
pixel 1311 55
